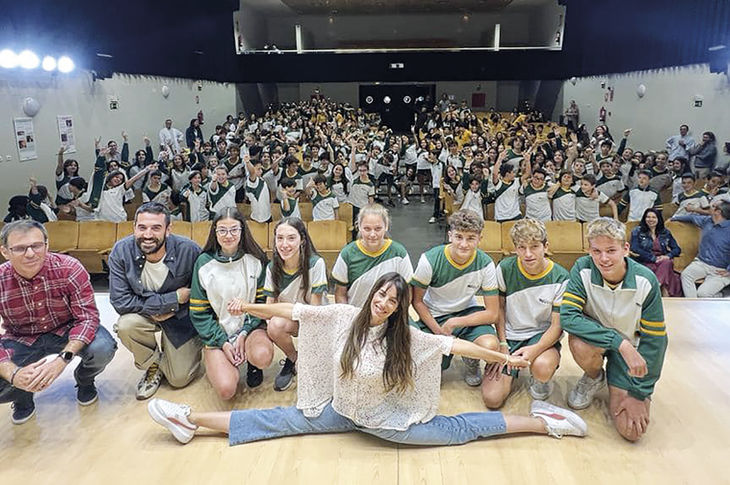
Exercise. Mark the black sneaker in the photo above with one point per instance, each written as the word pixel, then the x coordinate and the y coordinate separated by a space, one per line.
pixel 86 395
pixel 254 376
pixel 286 375
pixel 22 412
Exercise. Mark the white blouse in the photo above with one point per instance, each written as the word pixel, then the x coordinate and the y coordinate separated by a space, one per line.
pixel 323 331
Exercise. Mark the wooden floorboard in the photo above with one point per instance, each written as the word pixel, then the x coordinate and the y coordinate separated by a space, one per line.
pixel 114 441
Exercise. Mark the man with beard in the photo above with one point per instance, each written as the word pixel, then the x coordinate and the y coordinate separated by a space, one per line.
pixel 149 283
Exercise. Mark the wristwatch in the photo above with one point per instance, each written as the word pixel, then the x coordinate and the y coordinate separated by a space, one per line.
pixel 66 356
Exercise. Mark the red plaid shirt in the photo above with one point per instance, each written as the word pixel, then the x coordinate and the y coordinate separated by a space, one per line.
pixel 59 299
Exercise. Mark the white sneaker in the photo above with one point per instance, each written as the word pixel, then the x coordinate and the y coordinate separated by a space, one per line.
pixel 581 396
pixel 473 374
pixel 559 422
pixel 174 417
pixel 405 201
pixel 150 382
pixel 432 220
pixel 540 390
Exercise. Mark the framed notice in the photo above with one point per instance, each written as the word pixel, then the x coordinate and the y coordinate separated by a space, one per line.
pixel 25 139
pixel 66 133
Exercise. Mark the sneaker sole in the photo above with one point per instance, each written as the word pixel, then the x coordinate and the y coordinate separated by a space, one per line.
pixel 89 402
pixel 584 406
pixel 280 389
pixel 24 420
pixel 163 421
pixel 547 408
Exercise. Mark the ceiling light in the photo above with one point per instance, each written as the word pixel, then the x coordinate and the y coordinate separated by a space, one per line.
pixel 28 59
pixel 65 64
pixel 49 63
pixel 8 59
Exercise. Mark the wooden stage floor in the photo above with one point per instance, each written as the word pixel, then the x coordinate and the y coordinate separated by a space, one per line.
pixel 114 440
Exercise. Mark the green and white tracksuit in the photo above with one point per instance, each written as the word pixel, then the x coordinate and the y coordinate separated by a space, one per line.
pixel 218 279
pixel 604 317
pixel 357 269
pixel 290 289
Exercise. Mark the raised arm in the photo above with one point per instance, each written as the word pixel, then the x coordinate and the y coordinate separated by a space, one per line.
pixel 59 160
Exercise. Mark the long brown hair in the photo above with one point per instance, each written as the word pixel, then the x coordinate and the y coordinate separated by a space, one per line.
pixel 306 250
pixel 398 368
pixel 246 245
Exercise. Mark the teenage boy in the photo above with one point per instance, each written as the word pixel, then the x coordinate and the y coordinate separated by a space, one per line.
pixel 257 191
pixel 505 192
pixel 447 281
pixel 221 193
pixel 537 202
pixel 324 203
pixel 612 309
pixel 289 201
pixel 608 182
pixel 640 198
pixel 530 292
pixel 588 200
pixel 691 199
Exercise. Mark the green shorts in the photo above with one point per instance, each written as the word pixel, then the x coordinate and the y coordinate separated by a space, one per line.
pixel 464 333
pixel 617 372
pixel 515 345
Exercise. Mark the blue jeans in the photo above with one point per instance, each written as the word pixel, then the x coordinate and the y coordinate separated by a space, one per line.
pixel 259 424
pixel 94 358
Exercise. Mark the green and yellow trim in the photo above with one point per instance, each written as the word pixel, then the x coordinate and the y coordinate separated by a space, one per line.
pixel 454 263
pixel 532 277
pixel 377 253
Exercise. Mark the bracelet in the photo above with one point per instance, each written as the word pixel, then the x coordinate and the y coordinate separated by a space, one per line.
pixel 12 376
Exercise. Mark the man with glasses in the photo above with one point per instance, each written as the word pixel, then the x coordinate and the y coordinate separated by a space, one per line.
pixel 149 283
pixel 49 317
pixel 713 258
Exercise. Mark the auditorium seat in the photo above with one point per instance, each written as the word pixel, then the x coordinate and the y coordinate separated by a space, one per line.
pixel 565 240
pixel 182 228
pixel 96 239
pixel 668 210
pixel 306 210
pixel 491 240
pixel 260 233
pixel 245 210
pixel 200 232
pixel 131 209
pixel 124 229
pixel 328 237
pixel 275 211
pixel 345 215
pixel 508 247
pixel 687 236
pixel 63 236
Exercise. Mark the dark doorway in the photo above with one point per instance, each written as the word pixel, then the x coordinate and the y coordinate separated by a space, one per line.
pixel 396 103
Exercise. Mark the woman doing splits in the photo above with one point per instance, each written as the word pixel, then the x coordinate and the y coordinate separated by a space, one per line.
pixel 367 370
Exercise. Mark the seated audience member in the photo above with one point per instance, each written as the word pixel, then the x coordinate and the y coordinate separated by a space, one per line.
pixel 563 197
pixel 531 288
pixel 612 309
pixel 149 284
pixel 257 191
pixel 47 308
pixel 367 258
pixel 231 266
pixel 17 208
pixel 447 281
pixel 689 199
pixel 65 171
pixel 109 203
pixel 506 191
pixel 221 192
pixel 154 190
pixel 655 247
pixel 713 258
pixel 588 200
pixel 40 207
pixel 296 274
pixel 640 198
pixel 196 197
pixel 704 155
pixel 535 191
pixel 383 383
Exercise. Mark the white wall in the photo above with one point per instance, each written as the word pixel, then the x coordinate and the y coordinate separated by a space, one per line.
pixel 142 110
pixel 668 103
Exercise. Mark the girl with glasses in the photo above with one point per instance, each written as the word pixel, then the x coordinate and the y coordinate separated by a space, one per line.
pixel 231 266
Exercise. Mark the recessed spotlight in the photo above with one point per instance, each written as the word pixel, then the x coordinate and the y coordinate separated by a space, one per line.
pixel 8 59
pixel 28 59
pixel 65 64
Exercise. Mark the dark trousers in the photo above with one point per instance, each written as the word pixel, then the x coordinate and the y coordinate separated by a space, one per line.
pixel 94 358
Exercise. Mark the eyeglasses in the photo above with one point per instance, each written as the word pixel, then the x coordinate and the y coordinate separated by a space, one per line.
pixel 21 250
pixel 233 231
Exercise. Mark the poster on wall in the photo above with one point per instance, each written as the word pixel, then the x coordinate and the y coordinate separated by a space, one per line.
pixel 66 133
pixel 25 139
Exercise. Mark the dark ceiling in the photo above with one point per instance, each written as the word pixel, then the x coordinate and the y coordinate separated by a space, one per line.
pixel 350 7
pixel 194 39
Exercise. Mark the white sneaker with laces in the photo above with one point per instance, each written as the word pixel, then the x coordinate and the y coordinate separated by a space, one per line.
pixel 540 390
pixel 581 396
pixel 473 373
pixel 405 201
pixel 559 422
pixel 174 417
pixel 432 220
